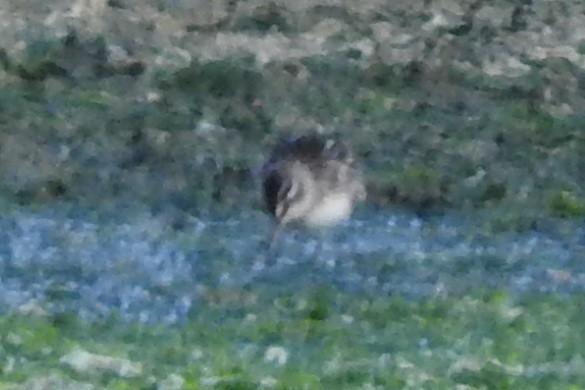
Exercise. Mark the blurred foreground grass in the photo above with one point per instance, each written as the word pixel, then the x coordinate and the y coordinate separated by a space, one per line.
pixel 318 338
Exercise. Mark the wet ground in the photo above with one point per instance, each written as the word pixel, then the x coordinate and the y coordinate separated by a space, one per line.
pixel 156 266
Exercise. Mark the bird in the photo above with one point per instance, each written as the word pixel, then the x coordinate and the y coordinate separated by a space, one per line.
pixel 311 180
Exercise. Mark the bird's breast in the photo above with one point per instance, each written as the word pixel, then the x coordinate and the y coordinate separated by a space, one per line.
pixel 330 209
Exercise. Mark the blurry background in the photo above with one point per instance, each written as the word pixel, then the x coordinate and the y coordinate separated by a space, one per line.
pixel 449 103
pixel 131 231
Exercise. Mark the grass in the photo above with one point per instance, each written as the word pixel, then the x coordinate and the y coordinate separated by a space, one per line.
pixel 466 142
pixel 92 128
pixel 320 338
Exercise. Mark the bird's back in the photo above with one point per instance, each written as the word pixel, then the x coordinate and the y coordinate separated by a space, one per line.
pixel 306 149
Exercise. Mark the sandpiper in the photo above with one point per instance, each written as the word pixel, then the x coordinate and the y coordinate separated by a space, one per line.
pixel 311 180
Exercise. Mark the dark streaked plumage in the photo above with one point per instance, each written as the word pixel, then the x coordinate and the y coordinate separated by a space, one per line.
pixel 311 180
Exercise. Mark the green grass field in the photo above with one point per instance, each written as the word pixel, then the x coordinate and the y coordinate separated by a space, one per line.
pixel 318 338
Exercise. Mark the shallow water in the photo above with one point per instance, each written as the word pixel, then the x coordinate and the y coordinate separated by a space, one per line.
pixel 155 267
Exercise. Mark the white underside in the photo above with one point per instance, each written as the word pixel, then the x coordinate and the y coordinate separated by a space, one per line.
pixel 330 210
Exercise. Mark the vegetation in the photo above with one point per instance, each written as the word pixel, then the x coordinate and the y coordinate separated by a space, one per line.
pixel 318 338
pixel 125 124
pixel 85 107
